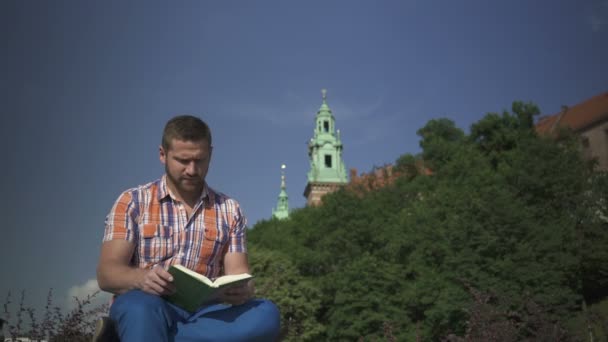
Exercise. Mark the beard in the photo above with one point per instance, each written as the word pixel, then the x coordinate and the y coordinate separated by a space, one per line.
pixel 185 185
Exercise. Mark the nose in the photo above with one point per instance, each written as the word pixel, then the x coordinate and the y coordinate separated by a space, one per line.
pixel 191 168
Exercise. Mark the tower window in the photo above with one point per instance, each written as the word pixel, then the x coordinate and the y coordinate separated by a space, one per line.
pixel 326 126
pixel 327 160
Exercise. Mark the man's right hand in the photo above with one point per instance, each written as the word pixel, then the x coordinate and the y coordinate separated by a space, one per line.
pixel 157 281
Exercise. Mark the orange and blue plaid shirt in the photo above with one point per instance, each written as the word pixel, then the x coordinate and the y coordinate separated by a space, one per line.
pixel 151 218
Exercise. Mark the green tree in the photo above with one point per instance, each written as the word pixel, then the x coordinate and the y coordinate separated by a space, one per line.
pixel 368 296
pixel 439 138
pixel 496 133
pixel 506 212
pixel 298 299
pixel 593 236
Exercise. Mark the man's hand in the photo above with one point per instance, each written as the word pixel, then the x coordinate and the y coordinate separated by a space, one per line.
pixel 157 281
pixel 237 294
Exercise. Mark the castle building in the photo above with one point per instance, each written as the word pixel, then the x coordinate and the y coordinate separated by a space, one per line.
pixel 282 209
pixel 588 119
pixel 327 172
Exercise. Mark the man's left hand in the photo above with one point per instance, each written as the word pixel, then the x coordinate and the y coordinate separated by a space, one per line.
pixel 238 294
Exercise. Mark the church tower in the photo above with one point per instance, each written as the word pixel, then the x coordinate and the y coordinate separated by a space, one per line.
pixel 327 172
pixel 282 209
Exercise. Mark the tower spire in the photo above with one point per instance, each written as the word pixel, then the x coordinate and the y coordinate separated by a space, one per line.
pixel 327 171
pixel 283 177
pixel 282 209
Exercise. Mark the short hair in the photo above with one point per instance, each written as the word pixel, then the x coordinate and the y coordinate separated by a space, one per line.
pixel 186 128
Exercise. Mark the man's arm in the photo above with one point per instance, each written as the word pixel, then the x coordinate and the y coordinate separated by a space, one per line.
pixel 236 263
pixel 115 275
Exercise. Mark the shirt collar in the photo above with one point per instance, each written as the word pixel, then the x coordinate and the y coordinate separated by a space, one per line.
pixel 163 192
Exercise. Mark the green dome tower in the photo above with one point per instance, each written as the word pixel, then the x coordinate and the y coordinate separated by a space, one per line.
pixel 327 172
pixel 282 209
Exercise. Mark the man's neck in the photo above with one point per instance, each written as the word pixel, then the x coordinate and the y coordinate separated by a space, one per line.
pixel 190 199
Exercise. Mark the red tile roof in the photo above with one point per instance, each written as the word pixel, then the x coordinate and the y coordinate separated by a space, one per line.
pixel 380 177
pixel 577 117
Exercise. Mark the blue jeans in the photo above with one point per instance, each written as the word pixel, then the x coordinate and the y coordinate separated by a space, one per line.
pixel 140 316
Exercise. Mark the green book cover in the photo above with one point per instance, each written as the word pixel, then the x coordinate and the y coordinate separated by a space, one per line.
pixel 194 289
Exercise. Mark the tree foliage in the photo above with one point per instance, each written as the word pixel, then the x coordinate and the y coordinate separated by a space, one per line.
pixel 297 298
pixel 505 212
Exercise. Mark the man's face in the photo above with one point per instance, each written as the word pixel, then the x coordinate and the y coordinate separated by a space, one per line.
pixel 186 165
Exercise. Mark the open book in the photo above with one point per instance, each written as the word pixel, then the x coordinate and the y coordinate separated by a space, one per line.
pixel 194 289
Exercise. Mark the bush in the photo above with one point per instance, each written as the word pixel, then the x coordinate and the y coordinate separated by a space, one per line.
pixel 75 326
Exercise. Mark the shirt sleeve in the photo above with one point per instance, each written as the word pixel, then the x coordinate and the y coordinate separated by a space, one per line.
pixel 121 222
pixel 238 232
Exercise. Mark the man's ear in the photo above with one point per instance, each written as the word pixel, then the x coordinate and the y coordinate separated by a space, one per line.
pixel 162 155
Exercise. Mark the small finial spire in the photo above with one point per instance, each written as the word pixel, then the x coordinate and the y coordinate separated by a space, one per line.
pixel 283 166
pixel 324 94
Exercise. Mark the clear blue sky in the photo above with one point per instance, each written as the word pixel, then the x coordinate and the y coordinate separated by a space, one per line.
pixel 87 87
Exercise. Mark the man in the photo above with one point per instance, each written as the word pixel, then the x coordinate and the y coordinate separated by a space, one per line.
pixel 178 219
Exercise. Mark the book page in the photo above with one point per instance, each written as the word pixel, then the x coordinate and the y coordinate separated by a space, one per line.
pixel 198 276
pixel 227 279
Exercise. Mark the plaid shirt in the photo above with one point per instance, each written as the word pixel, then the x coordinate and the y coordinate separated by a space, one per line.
pixel 151 218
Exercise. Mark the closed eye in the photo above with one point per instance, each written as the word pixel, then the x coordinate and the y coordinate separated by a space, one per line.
pixel 187 161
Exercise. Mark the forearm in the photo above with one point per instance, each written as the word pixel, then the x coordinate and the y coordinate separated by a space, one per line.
pixel 236 263
pixel 118 278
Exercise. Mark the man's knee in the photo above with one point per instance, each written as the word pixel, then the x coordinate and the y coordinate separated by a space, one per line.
pixel 268 322
pixel 269 310
pixel 137 303
pixel 140 316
